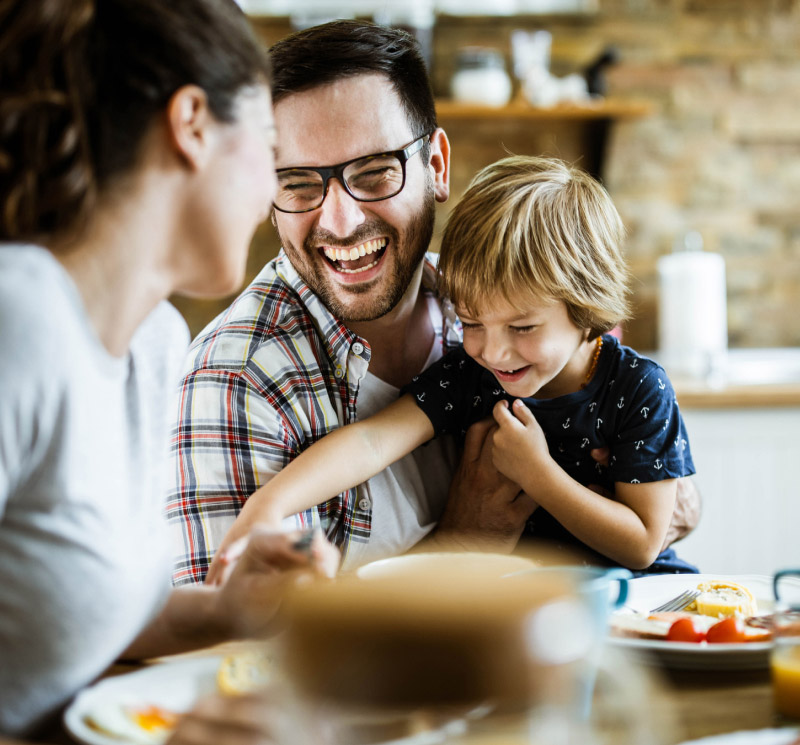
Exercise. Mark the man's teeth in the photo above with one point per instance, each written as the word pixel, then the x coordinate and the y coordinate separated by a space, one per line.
pixel 351 254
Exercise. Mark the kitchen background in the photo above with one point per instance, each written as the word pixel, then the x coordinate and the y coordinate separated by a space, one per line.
pixel 698 134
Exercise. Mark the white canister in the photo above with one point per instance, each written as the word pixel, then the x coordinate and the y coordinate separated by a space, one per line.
pixel 692 314
pixel 481 77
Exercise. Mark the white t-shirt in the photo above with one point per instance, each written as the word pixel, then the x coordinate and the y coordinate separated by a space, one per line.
pixel 84 559
pixel 408 497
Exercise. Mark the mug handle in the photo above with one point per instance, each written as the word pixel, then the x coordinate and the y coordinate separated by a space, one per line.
pixel 622 576
pixel 779 576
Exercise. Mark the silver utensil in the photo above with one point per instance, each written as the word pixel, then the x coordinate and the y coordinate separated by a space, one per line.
pixel 677 603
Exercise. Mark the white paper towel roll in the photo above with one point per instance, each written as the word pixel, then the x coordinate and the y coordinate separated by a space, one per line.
pixel 692 319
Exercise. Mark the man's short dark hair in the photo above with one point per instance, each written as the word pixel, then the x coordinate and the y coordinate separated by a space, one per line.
pixel 343 49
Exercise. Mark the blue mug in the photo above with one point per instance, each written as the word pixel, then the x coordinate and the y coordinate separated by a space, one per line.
pixel 599 591
pixel 604 589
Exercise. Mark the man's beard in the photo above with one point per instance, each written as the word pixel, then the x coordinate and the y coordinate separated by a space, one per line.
pixel 418 237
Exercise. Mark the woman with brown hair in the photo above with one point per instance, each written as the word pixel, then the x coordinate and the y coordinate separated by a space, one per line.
pixel 136 160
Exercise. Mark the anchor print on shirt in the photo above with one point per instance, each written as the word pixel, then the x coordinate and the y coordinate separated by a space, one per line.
pixel 621 402
pixel 658 465
pixel 634 364
pixel 645 410
pixel 565 424
pixel 661 384
pixel 475 401
pixel 592 406
pixel 444 383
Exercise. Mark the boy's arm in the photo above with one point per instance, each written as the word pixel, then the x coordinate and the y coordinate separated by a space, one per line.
pixel 342 459
pixel 688 502
pixel 629 529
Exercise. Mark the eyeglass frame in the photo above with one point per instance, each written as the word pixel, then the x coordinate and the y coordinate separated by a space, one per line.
pixel 403 155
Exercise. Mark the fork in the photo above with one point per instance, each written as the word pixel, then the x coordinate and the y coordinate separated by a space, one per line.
pixel 677 603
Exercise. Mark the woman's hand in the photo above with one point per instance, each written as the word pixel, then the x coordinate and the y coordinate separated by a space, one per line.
pixel 259 567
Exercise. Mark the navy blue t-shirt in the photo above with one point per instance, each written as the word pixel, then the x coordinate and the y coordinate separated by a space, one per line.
pixel 628 406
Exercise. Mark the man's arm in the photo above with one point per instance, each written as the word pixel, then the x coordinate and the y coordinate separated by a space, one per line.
pixel 229 440
pixel 484 511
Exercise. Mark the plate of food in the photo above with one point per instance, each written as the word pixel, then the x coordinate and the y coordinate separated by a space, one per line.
pixel 145 706
pixel 726 627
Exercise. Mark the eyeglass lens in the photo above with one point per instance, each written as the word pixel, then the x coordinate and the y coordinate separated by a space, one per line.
pixel 369 179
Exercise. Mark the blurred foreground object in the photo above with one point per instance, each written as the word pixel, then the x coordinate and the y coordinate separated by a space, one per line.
pixel 442 635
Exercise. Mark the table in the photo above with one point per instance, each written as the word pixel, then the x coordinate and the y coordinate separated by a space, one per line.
pixel 694 704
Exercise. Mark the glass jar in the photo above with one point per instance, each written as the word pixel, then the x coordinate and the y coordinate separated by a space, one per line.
pixel 481 77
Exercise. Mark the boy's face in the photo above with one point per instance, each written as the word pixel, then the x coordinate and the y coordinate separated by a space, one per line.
pixel 534 350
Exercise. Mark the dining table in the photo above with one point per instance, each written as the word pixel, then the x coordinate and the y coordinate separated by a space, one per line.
pixel 686 704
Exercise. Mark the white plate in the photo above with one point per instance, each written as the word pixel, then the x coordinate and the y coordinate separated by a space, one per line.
pixel 784 736
pixel 176 685
pixel 645 593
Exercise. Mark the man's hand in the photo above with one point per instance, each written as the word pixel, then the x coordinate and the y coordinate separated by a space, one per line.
pixel 686 514
pixel 485 510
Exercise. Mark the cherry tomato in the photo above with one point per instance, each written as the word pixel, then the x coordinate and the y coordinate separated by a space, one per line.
pixel 727 631
pixel 685 630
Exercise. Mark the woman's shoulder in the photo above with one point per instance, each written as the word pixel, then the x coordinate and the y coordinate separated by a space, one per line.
pixel 37 303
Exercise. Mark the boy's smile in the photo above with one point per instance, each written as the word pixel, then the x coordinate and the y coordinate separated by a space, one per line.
pixel 533 349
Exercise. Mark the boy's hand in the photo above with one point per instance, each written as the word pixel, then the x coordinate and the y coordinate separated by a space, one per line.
pixel 519 446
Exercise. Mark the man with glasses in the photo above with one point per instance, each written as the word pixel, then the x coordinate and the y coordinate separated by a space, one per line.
pixel 345 315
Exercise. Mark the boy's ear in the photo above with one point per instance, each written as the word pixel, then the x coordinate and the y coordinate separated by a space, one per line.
pixel 188 123
pixel 440 163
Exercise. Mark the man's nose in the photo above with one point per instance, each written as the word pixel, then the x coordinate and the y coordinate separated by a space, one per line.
pixel 340 213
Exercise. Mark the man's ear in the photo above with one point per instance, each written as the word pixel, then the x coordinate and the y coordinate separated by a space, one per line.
pixel 440 162
pixel 188 122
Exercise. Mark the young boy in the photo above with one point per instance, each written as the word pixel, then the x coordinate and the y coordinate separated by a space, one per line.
pixel 531 259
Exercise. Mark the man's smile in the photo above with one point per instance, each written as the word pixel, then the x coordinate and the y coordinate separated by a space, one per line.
pixel 356 259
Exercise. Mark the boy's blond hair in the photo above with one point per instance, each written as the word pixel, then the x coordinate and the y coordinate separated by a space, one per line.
pixel 531 227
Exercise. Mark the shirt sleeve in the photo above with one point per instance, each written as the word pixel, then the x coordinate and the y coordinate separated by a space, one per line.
pixel 229 440
pixel 651 443
pixel 441 392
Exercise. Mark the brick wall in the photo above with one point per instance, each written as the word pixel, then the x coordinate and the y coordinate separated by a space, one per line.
pixel 720 152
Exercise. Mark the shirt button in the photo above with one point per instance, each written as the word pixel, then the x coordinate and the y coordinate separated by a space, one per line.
pixel 358 348
pixel 339 372
pixel 364 504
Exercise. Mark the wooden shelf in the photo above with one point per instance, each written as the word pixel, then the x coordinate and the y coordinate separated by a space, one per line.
pixel 519 110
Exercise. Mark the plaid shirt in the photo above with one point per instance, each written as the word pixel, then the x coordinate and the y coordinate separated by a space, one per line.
pixel 271 375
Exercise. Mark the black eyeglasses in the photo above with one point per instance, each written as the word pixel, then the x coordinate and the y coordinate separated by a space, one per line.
pixel 369 178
